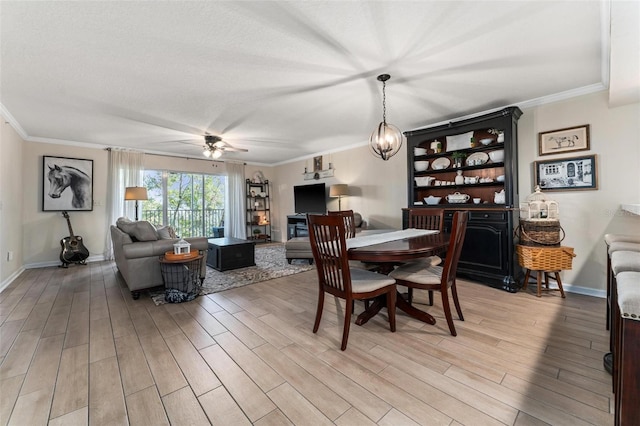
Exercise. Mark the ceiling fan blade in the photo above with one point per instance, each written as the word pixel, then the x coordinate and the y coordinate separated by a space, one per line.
pixel 230 148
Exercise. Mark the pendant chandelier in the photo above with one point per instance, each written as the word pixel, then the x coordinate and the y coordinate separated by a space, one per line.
pixel 386 139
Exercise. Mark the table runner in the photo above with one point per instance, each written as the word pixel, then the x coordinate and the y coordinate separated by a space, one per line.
pixel 369 240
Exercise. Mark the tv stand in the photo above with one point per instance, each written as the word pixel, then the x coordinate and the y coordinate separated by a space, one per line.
pixel 297 226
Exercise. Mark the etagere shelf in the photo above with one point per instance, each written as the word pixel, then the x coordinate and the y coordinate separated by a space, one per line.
pixel 258 216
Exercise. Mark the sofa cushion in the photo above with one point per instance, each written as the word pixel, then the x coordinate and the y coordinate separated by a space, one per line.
pixel 166 233
pixel 139 231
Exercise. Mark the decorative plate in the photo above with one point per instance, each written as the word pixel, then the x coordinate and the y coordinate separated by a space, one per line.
pixel 477 158
pixel 441 163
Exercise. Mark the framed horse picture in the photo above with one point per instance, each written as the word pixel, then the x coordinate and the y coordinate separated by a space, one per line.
pixel 67 184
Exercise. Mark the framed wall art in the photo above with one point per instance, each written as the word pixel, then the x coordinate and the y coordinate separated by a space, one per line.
pixel 563 174
pixel 67 184
pixel 317 163
pixel 564 140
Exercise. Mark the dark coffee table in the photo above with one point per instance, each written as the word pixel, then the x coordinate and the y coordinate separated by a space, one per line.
pixel 230 253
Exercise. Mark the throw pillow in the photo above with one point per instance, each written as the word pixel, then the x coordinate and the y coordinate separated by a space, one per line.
pixel 140 231
pixel 166 233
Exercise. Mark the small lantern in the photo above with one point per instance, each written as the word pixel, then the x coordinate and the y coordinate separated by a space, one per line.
pixel 181 247
pixel 538 207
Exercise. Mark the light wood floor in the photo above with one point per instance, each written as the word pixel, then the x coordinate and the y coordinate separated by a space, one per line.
pixel 76 349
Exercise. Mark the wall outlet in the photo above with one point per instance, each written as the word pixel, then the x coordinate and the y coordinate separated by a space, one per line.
pixel 9 256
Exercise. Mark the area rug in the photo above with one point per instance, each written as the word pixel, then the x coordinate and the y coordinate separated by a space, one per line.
pixel 270 263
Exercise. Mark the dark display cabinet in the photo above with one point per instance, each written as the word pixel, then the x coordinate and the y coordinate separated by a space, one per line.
pixel 465 150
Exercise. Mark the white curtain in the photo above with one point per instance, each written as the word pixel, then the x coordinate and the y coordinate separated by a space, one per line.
pixel 126 168
pixel 235 223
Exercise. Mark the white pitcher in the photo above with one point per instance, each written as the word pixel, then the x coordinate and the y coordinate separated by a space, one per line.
pixel 499 197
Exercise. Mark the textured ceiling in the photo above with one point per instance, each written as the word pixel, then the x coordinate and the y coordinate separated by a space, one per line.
pixel 284 80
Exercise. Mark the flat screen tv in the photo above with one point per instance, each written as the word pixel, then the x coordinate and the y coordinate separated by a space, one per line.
pixel 310 198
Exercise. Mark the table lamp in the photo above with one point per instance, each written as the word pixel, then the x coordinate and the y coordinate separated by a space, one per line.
pixel 338 190
pixel 135 193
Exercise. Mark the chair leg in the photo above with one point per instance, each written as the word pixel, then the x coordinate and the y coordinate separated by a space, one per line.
pixel 319 311
pixel 409 295
pixel 446 307
pixel 456 302
pixel 347 323
pixel 391 310
pixel 430 297
pixel 526 279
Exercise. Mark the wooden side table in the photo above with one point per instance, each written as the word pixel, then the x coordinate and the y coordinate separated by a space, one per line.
pixel 547 262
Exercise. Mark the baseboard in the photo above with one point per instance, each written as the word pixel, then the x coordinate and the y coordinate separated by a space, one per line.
pixel 570 288
pixel 97 258
pixel 11 278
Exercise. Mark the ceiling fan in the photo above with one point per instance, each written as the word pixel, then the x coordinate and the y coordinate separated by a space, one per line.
pixel 214 147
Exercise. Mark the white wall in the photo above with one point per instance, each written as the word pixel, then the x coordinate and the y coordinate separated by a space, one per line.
pixel 378 189
pixel 11 194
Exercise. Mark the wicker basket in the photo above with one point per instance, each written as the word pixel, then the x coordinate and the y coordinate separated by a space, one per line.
pixel 545 258
pixel 545 233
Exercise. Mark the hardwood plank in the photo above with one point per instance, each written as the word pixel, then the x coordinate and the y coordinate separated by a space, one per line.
pixel 296 407
pixel 320 395
pixel 269 334
pixel 241 331
pixel 106 400
pixel 32 408
pixel 193 330
pixel 9 330
pixel 44 366
pixel 274 418
pixel 354 417
pixel 164 368
pixel 396 418
pixel 134 371
pixel 221 409
pixel 17 360
pixel 101 344
pixel 8 396
pixel 72 384
pixel 205 319
pixel 80 417
pixel 194 368
pixel 251 399
pixel 183 408
pixel 145 408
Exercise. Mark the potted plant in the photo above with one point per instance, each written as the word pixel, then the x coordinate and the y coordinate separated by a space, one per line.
pixel 458 157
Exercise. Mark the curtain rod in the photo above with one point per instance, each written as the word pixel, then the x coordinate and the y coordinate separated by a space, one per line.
pixel 184 158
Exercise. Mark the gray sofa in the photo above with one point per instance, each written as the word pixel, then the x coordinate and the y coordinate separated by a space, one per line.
pixel 138 261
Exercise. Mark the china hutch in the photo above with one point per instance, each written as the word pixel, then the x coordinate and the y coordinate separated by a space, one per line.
pixel 258 211
pixel 472 164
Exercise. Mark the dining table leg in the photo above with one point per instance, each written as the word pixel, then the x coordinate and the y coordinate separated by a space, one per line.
pixel 401 303
pixel 406 307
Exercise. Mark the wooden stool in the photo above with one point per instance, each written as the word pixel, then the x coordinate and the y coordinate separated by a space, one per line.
pixel 556 277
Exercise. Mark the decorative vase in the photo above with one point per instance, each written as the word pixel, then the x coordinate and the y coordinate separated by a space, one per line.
pixel 500 137
pixel 459 178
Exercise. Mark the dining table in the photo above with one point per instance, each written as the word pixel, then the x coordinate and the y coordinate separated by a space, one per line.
pixel 393 248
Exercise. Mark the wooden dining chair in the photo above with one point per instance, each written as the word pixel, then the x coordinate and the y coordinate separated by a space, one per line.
pixel 432 219
pixel 328 244
pixel 436 278
pixel 349 221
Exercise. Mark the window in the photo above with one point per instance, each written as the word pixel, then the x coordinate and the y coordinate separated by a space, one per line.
pixel 193 204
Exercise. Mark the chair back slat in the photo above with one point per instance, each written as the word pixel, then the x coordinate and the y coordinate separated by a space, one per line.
pixel 458 231
pixel 426 219
pixel 349 221
pixel 327 237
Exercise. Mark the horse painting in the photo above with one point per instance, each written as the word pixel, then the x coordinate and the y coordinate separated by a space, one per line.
pixel 63 177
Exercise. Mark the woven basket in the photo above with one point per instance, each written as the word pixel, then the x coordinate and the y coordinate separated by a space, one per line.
pixel 545 233
pixel 545 258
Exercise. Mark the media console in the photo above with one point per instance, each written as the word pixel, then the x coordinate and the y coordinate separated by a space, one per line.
pixel 297 226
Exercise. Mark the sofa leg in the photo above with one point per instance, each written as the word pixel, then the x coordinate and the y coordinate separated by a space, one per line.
pixel 310 261
pixel 289 260
pixel 135 295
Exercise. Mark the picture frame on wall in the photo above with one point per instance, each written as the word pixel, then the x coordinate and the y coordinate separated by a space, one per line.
pixel 67 184
pixel 565 174
pixel 564 140
pixel 317 163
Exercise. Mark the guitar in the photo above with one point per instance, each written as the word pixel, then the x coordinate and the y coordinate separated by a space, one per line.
pixel 73 250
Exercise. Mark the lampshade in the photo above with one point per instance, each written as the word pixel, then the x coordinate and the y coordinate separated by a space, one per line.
pixel 338 190
pixel 135 193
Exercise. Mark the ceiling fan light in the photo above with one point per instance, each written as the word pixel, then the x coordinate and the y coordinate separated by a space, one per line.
pixel 206 152
pixel 216 154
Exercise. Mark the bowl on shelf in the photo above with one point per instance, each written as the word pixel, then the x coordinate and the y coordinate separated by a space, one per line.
pixel 419 151
pixel 431 200
pixel 500 178
pixel 486 141
pixel 497 156
pixel 421 166
pixel 424 180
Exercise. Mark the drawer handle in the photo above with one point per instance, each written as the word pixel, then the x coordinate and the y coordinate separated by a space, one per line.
pixel 486 215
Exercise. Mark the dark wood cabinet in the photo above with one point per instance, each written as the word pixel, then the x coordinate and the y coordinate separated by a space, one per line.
pixel 488 253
